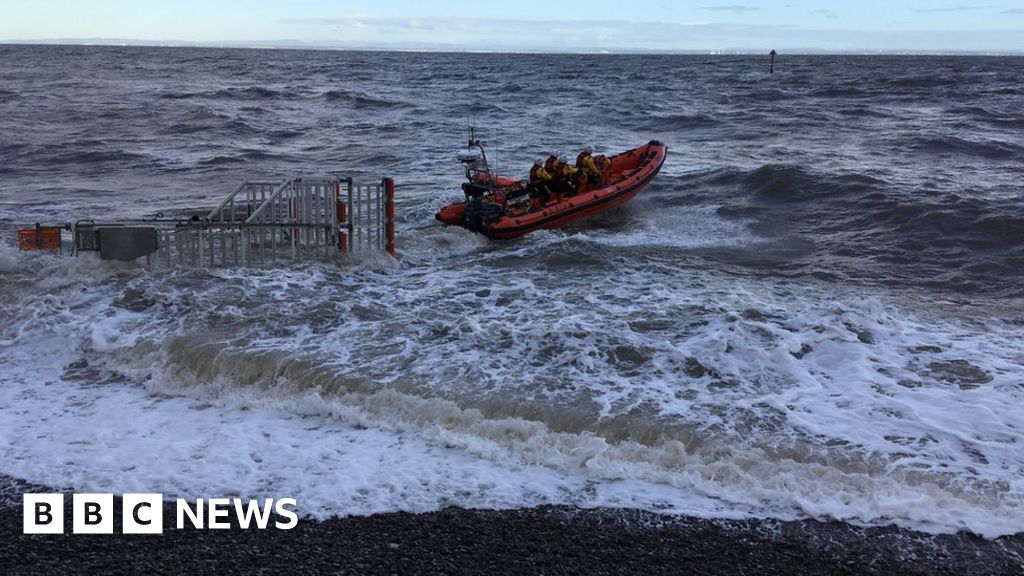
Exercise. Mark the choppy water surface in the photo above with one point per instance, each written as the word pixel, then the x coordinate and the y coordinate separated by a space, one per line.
pixel 815 309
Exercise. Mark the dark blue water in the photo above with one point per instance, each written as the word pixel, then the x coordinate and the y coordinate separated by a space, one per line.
pixel 884 169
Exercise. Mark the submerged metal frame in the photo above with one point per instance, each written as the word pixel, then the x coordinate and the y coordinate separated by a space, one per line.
pixel 265 222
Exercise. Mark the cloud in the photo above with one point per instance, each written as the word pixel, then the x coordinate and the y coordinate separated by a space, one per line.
pixel 954 8
pixel 506 32
pixel 488 34
pixel 826 13
pixel 1014 11
pixel 731 8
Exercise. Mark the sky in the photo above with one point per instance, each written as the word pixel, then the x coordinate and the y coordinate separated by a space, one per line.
pixel 701 25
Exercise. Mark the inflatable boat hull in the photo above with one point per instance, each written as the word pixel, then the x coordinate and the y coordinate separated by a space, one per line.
pixel 627 174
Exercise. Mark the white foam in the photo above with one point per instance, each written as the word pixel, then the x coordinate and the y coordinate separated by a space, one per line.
pixel 678 227
pixel 10 259
pixel 118 437
pixel 397 387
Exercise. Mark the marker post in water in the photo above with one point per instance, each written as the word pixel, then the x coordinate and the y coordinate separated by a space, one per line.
pixel 771 66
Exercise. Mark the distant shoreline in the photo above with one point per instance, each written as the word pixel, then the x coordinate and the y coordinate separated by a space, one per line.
pixel 115 43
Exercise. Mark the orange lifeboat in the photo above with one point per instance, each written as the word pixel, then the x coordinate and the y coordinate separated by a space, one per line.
pixel 501 207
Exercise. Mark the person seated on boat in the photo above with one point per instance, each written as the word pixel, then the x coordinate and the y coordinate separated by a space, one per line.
pixel 590 175
pixel 552 160
pixel 540 179
pixel 565 177
pixel 538 173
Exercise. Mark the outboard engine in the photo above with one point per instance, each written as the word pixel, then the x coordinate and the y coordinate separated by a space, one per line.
pixel 478 171
pixel 480 209
pixel 480 214
pixel 474 190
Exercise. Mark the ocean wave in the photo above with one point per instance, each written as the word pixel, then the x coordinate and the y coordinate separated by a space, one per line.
pixel 222 160
pixel 80 156
pixel 795 183
pixel 285 134
pixel 100 156
pixel 937 80
pixel 841 91
pixel 681 121
pixel 948 144
pixel 683 401
pixel 850 202
pixel 895 237
pixel 220 127
pixel 992 117
pixel 232 93
pixel 863 111
pixel 361 100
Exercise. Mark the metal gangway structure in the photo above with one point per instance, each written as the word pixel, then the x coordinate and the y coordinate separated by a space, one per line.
pixel 261 222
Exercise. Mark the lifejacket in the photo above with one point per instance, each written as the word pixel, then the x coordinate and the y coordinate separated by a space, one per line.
pixel 539 174
pixel 565 174
pixel 585 163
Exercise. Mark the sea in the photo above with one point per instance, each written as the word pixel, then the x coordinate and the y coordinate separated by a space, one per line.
pixel 816 310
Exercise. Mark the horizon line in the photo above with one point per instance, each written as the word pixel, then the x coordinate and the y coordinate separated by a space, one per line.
pixel 443 49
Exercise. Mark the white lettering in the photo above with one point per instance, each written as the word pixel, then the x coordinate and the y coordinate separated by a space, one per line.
pixel 253 509
pixel 185 510
pixel 142 514
pixel 218 509
pixel 92 514
pixel 293 518
pixel 42 513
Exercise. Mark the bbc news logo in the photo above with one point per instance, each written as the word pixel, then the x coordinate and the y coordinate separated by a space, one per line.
pixel 144 513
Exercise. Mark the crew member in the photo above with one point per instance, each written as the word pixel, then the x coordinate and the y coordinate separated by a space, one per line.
pixel 540 178
pixel 565 177
pixel 538 173
pixel 591 175
pixel 549 164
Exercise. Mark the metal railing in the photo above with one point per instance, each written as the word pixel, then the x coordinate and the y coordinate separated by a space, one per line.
pixel 370 223
pixel 259 223
pixel 264 222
